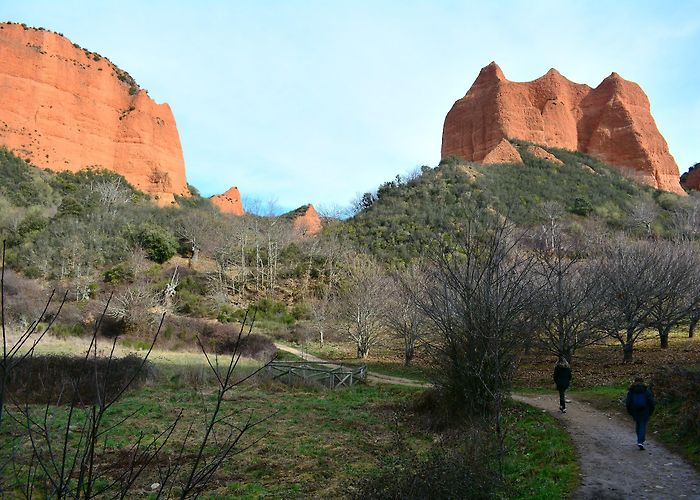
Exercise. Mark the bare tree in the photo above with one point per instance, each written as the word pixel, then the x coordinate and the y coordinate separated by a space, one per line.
pixel 362 302
pixel 686 218
pixel 552 213
pixel 479 300
pixel 643 214
pixel 404 316
pixel 677 279
pixel 112 194
pixel 323 302
pixel 568 303
pixel 627 275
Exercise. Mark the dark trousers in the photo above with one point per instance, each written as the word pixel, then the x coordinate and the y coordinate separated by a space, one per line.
pixel 641 427
pixel 562 399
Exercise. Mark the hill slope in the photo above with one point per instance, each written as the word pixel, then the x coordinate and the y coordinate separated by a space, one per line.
pixel 405 216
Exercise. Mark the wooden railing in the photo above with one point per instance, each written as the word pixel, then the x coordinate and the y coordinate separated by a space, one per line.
pixel 327 374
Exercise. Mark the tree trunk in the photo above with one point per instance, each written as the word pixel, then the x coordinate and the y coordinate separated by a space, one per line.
pixel 663 336
pixel 362 351
pixel 408 355
pixel 691 328
pixel 627 352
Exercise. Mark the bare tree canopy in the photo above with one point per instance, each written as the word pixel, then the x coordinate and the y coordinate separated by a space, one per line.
pixel 363 302
pixel 479 301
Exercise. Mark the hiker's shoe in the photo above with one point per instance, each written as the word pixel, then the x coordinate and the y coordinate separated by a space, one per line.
pixel 640 446
pixel 563 410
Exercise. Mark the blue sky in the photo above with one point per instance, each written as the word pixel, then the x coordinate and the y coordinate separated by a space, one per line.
pixel 315 101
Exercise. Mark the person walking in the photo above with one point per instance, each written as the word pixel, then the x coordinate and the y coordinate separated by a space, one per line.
pixel 640 405
pixel 562 379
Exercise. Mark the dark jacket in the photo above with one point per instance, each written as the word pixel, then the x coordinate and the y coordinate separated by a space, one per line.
pixel 562 377
pixel 645 396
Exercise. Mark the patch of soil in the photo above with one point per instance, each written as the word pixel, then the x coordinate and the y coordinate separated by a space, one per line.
pixel 602 365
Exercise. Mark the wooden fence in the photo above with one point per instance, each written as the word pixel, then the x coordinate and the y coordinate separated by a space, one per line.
pixel 327 374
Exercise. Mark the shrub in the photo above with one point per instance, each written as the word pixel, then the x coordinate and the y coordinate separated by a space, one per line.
pixel 680 388
pixel 581 206
pixel 65 330
pixel 217 337
pixel 272 310
pixel 54 379
pixel 158 243
pixel 461 465
pixel 118 274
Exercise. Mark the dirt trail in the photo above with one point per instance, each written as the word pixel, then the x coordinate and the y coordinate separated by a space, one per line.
pixel 612 467
pixel 371 377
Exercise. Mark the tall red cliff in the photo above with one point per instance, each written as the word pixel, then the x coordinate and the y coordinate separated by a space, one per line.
pixel 65 108
pixel 612 121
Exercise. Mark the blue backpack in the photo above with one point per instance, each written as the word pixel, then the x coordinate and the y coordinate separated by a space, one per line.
pixel 639 401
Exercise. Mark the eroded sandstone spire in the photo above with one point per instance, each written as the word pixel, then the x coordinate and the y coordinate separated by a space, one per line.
pixel 229 202
pixel 612 121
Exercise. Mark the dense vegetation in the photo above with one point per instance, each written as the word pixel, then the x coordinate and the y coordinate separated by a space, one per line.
pixel 404 215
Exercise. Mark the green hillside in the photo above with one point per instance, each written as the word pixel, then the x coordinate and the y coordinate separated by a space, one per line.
pixel 406 214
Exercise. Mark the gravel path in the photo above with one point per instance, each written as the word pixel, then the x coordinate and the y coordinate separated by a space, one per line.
pixel 611 465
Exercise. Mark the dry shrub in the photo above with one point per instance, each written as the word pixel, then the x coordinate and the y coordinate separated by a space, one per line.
pixel 460 465
pixel 25 299
pixel 63 379
pixel 680 387
pixel 220 338
pixel 431 411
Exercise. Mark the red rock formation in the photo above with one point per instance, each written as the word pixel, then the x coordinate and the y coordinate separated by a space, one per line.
pixel 229 202
pixel 65 108
pixel 612 121
pixel 504 152
pixel 305 220
pixel 691 179
pixel 543 154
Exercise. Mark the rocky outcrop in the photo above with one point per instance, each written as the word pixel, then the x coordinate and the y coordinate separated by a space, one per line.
pixel 504 152
pixel 691 179
pixel 65 108
pixel 612 121
pixel 305 220
pixel 543 154
pixel 229 202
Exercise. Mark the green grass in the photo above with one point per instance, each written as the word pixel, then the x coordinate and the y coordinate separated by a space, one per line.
pixel 318 442
pixel 541 462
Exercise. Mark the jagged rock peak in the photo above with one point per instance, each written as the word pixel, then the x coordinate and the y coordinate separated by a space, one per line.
pixel 305 220
pixel 691 178
pixel 229 202
pixel 63 107
pixel 612 121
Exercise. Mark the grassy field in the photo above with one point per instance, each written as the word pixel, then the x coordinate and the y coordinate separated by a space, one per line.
pixel 318 443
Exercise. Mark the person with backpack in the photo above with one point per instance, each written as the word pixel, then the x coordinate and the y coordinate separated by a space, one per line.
pixel 562 379
pixel 640 405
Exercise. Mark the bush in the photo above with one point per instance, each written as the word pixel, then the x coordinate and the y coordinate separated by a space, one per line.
pixel 158 243
pixel 118 274
pixel 460 466
pixel 64 379
pixel 272 310
pixel 680 389
pixel 216 337
pixel 65 330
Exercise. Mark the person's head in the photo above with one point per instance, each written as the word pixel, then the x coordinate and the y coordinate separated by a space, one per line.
pixel 638 380
pixel 563 363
